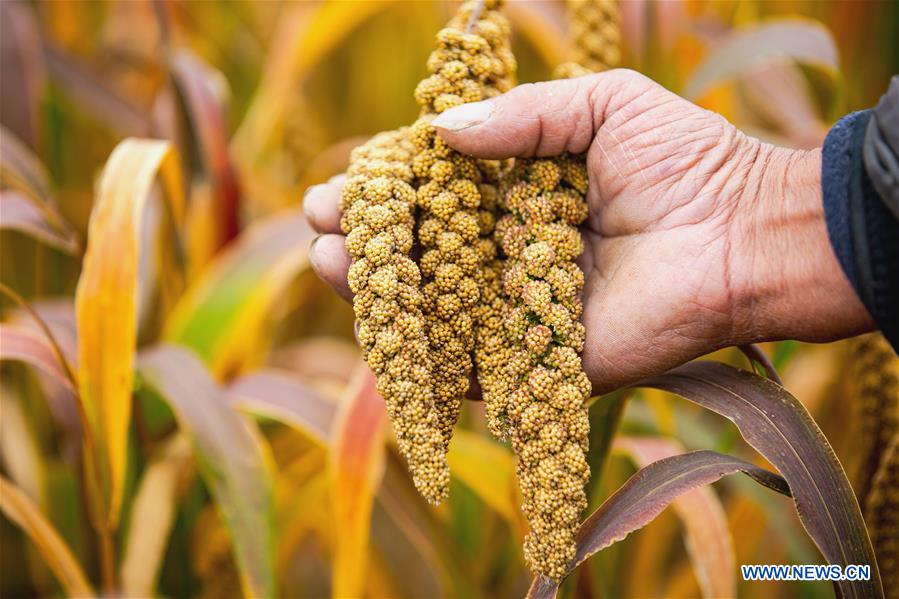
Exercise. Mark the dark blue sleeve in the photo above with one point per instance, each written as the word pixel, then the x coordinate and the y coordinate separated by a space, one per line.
pixel 863 229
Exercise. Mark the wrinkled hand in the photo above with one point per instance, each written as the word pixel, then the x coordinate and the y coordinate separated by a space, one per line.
pixel 698 237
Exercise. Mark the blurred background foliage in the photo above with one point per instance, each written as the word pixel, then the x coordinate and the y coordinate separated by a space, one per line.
pixel 256 462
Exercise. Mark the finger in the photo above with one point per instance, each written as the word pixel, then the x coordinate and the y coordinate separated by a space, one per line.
pixel 540 119
pixel 331 262
pixel 320 205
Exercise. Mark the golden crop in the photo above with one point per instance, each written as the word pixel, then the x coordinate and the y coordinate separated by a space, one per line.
pixel 497 279
pixel 378 205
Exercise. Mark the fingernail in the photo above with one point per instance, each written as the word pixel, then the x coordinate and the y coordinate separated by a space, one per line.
pixel 311 253
pixel 309 190
pixel 307 206
pixel 464 116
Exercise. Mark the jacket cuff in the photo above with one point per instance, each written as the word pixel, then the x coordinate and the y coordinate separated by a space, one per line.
pixel 837 164
pixel 863 230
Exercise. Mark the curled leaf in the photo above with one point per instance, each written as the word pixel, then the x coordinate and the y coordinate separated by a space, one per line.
pixel 32 209
pixel 780 428
pixel 19 214
pixel 223 315
pixel 706 533
pixel 282 396
pixel 26 346
pixel 645 495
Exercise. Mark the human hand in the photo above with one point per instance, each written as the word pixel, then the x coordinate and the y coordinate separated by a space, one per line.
pixel 698 237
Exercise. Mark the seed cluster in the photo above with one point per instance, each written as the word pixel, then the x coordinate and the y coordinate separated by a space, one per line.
pixel 875 471
pixel 497 283
pixel 875 372
pixel 882 515
pixel 596 30
pixel 472 62
pixel 378 204
pixel 545 414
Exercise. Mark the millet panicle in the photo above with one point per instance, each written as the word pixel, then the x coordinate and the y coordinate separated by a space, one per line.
pixel 595 27
pixel 546 411
pixel 882 515
pixel 472 62
pixel 875 375
pixel 378 206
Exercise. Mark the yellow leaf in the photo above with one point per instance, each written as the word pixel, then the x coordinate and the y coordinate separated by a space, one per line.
pixel 355 470
pixel 22 511
pixel 488 469
pixel 106 306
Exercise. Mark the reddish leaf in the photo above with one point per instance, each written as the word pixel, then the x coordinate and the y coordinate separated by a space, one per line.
pixel 196 83
pixel 282 396
pixel 645 495
pixel 800 40
pixel 356 467
pixel 20 214
pixel 233 459
pixel 33 349
pixel 779 427
pixel 706 533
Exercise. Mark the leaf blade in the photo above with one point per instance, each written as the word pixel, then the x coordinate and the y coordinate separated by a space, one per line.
pixel 488 469
pixel 706 533
pixel 23 345
pixel 800 40
pixel 355 466
pixel 221 313
pixel 776 425
pixel 17 213
pixel 285 398
pixel 106 304
pixel 232 457
pixel 152 517
pixel 22 511
pixel 645 495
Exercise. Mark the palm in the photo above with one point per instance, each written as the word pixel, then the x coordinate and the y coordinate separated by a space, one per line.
pixel 657 240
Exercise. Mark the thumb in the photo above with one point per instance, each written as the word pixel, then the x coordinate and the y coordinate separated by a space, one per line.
pixel 540 119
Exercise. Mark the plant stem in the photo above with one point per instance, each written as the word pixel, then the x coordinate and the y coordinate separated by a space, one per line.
pixel 107 560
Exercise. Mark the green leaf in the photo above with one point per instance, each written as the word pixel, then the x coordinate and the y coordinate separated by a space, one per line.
pixel 222 316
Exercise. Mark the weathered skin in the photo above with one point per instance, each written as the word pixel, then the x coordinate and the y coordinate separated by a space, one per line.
pixel 698 237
